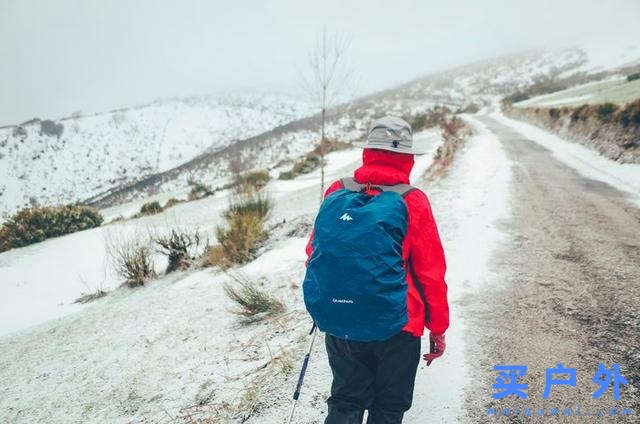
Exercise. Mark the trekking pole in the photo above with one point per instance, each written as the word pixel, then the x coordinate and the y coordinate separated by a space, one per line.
pixel 296 394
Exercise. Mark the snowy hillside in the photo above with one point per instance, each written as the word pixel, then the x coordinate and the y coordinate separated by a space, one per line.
pixel 158 147
pixel 482 83
pixel 51 162
pixel 453 90
pixel 489 80
pixel 616 90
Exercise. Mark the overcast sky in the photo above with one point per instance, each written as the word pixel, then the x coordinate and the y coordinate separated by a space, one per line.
pixel 59 56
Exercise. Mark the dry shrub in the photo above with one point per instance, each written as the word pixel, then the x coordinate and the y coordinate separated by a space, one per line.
pixel 199 190
pixel 172 202
pixel 150 208
pixel 130 259
pixel 605 111
pixel 311 160
pixel 33 225
pixel 216 256
pixel 249 203
pixel 305 165
pixel 244 231
pixel 630 114
pixel 428 119
pixel 252 303
pixel 330 145
pixel 134 264
pixel 451 127
pixel 252 181
pixel 241 239
pixel 579 114
pixel 180 246
pixel 454 132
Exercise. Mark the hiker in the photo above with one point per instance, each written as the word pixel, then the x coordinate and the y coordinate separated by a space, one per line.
pixel 375 279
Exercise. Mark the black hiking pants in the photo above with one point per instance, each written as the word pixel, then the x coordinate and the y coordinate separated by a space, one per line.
pixel 378 376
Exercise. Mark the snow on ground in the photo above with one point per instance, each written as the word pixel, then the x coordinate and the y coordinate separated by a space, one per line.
pixel 144 354
pixel 623 176
pixel 467 205
pixel 139 353
pixel 70 265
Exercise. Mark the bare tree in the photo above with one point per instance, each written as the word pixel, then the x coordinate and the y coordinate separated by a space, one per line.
pixel 326 80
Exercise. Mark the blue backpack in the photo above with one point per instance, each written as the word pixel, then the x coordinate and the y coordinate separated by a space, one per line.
pixel 355 286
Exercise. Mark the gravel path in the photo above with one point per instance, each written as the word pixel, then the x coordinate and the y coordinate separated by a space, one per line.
pixel 568 291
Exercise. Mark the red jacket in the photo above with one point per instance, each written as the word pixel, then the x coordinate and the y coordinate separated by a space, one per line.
pixel 421 250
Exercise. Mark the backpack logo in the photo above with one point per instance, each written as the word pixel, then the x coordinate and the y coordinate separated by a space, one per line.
pixel 334 300
pixel 346 217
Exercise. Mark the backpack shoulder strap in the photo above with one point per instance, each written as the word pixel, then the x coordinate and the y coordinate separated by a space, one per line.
pixel 349 183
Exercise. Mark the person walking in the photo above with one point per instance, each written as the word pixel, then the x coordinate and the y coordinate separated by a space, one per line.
pixel 375 280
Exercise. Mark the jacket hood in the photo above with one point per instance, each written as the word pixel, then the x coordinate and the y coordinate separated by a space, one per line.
pixel 384 167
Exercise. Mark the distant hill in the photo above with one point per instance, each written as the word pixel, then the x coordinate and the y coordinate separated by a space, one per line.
pixel 73 158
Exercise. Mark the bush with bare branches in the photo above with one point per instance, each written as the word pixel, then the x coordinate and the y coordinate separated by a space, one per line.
pixel 133 263
pixel 180 246
pixel 131 260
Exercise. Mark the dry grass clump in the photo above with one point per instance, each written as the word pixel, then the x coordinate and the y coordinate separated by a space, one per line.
pixel 243 233
pixel 252 303
pixel 199 190
pixel 91 296
pixel 131 260
pixel 172 202
pixel 303 166
pixel 252 400
pixel 311 160
pixel 252 181
pixel 454 132
pixel 134 265
pixel 249 203
pixel 149 208
pixel 240 240
pixel 331 145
